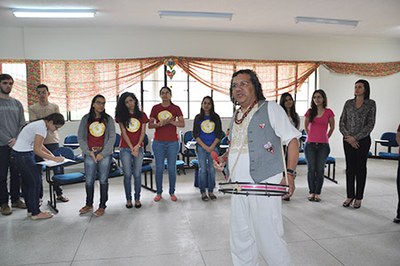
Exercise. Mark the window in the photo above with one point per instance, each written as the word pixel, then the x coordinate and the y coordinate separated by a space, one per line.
pixel 303 95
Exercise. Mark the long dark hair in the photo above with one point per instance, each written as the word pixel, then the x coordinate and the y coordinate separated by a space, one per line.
pixel 122 112
pixel 170 91
pixel 254 80
pixel 314 108
pixel 92 113
pixel 292 111
pixel 366 87
pixel 213 114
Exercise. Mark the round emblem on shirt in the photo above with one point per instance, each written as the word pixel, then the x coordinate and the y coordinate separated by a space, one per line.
pixel 97 129
pixel 207 126
pixel 134 125
pixel 163 115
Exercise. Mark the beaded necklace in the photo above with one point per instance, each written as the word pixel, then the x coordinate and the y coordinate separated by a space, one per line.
pixel 239 121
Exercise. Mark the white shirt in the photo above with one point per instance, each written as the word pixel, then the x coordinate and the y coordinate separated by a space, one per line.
pixel 26 138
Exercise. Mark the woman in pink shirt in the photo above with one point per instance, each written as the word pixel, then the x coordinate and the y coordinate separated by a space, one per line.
pixel 317 149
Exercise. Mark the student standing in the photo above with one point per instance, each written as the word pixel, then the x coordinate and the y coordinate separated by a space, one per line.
pixel 11 121
pixel 207 131
pixel 96 137
pixel 356 124
pixel 316 122
pixel 165 118
pixel 132 123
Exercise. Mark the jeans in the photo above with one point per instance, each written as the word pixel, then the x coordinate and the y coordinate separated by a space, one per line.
pixel 356 167
pixel 101 170
pixel 24 165
pixel 132 165
pixel 398 188
pixel 162 150
pixel 58 170
pixel 316 154
pixel 15 180
pixel 206 170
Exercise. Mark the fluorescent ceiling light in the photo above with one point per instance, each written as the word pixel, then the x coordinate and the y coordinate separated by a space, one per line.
pixel 54 13
pixel 195 15
pixel 343 22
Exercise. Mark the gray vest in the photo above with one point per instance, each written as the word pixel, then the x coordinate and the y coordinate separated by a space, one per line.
pixel 264 162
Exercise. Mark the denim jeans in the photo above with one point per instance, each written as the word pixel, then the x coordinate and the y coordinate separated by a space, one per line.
pixel 356 168
pixel 15 180
pixel 206 170
pixel 162 150
pixel 316 154
pixel 132 165
pixel 57 170
pixel 98 170
pixel 24 165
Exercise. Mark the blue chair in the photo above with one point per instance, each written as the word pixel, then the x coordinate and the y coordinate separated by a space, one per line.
pixel 224 141
pixel 117 142
pixel 62 178
pixel 185 152
pixel 71 141
pixel 301 161
pixel 148 168
pixel 331 161
pixel 388 139
pixel 180 165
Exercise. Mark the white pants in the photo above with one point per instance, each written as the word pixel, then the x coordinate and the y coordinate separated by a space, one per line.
pixel 256 227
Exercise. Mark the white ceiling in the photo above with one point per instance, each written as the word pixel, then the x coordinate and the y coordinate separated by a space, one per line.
pixel 378 18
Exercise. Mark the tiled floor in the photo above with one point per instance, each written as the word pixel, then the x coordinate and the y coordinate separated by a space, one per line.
pixel 193 232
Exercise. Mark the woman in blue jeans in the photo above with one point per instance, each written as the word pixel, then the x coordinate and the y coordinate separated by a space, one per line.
pixel 207 131
pixel 96 137
pixel 165 118
pixel 30 143
pixel 132 123
pixel 317 149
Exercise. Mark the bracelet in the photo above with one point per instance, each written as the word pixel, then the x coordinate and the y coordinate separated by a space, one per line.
pixel 291 172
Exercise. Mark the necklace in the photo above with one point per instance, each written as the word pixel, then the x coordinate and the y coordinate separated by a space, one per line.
pixel 239 121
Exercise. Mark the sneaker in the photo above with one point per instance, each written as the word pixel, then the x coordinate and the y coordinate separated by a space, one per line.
pixel 157 198
pixel 100 212
pixel 62 198
pixel 86 209
pixel 42 216
pixel 5 209
pixel 173 197
pixel 19 204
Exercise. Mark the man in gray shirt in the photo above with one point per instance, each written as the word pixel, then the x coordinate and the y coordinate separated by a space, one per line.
pixel 11 121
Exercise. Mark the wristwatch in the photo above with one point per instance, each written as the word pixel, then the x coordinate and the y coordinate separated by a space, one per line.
pixel 291 172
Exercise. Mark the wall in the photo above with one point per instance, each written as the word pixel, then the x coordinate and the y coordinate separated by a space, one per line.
pixel 109 43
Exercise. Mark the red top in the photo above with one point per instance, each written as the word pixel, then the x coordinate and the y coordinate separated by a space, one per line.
pixel 167 132
pixel 134 130
pixel 96 134
pixel 317 129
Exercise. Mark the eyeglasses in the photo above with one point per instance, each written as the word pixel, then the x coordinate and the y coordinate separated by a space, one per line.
pixel 241 84
pixel 100 103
